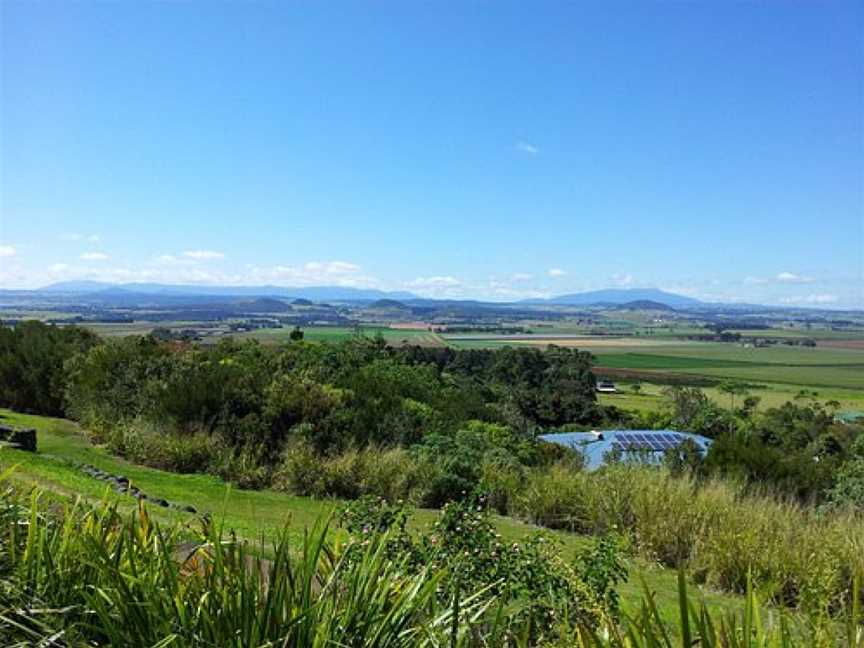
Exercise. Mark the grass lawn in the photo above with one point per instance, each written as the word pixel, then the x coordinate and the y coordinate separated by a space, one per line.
pixel 254 514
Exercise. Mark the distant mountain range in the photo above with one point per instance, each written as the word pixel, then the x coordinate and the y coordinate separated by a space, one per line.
pixel 128 293
pixel 620 297
pixel 313 293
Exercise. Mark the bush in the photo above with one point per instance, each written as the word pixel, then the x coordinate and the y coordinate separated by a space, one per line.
pixel 542 593
pixel 300 470
pixel 715 528
pixel 389 473
pixel 147 444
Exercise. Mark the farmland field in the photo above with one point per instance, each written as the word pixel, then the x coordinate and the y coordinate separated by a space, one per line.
pixel 781 371
pixel 815 333
pixel 337 333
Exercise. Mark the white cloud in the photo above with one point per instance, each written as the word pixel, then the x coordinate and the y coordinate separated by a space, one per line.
pixel 7 251
pixel 435 282
pixel 203 255
pixel 314 273
pixel 91 238
pixel 331 268
pixel 791 277
pixel 556 272
pixel 816 299
pixel 623 279
pixel 525 147
pixel 780 278
pixel 58 268
pixel 521 276
pixel 94 256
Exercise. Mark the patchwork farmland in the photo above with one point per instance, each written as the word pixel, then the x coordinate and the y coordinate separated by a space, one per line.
pixel 775 374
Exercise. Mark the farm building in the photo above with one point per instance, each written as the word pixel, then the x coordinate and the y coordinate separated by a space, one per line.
pixel 606 387
pixel 850 417
pixel 643 445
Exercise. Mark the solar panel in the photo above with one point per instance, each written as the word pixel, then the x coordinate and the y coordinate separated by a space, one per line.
pixel 627 440
pixel 641 441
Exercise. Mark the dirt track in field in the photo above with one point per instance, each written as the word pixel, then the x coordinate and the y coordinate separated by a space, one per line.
pixel 841 344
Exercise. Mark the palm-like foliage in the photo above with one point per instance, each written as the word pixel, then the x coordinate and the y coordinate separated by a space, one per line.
pixel 92 576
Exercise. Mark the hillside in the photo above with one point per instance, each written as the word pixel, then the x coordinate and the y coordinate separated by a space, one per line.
pixel 622 296
pixel 63 446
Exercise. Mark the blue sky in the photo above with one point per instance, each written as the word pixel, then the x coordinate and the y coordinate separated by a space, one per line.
pixel 479 149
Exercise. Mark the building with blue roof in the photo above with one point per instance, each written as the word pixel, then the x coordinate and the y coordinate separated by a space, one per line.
pixel 644 445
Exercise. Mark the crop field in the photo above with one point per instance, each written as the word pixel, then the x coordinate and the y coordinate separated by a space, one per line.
pixel 650 395
pixel 566 339
pixel 120 329
pixel 798 333
pixel 253 514
pixel 338 333
pixel 781 369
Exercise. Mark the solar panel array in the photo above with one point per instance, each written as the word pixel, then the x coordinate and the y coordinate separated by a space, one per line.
pixel 634 441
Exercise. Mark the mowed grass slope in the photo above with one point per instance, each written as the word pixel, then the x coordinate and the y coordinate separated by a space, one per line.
pixel 255 514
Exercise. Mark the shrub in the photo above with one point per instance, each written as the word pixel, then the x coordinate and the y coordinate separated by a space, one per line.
pixel 147 444
pixel 539 589
pixel 300 470
pixel 555 498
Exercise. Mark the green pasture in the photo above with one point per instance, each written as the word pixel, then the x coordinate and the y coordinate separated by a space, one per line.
pixel 817 367
pixel 338 333
pixel 650 396
pixel 814 333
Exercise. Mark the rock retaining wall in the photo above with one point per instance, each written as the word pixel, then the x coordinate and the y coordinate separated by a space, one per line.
pixel 22 439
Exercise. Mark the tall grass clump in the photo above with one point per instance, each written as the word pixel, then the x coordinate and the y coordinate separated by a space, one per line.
pixel 76 575
pixel 388 473
pixel 797 555
pixel 94 576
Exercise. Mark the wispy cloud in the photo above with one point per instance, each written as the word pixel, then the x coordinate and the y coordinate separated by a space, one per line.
pixel 94 256
pixel 780 278
pixel 624 279
pixel 331 268
pixel 526 147
pixel 7 251
pixel 815 299
pixel 556 272
pixel 791 277
pixel 90 238
pixel 435 282
pixel 203 255
pixel 312 273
